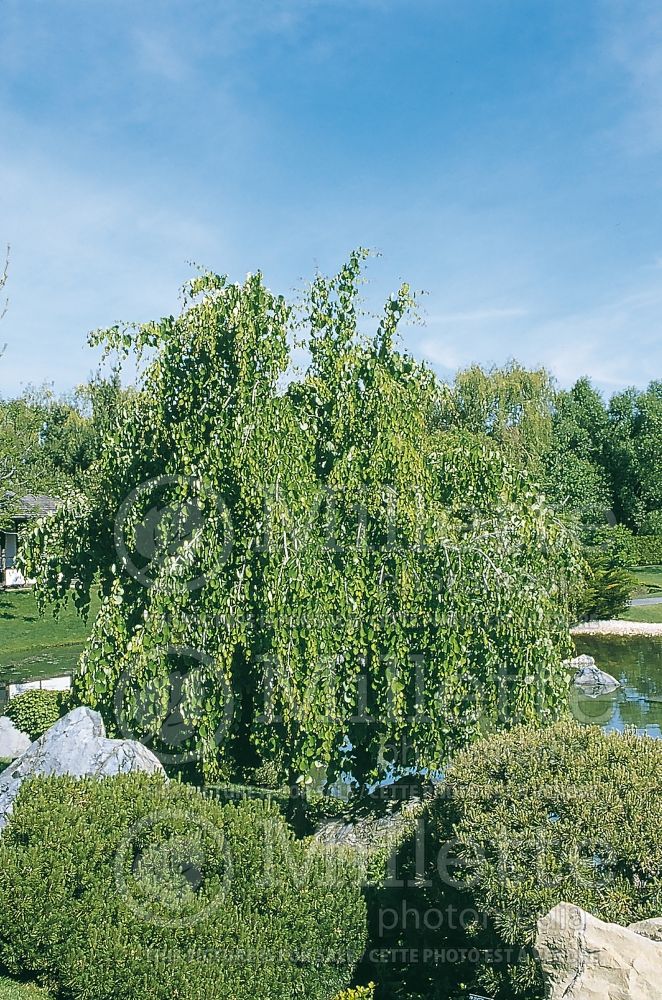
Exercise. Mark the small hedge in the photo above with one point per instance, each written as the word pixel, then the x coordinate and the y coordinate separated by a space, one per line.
pixel 648 550
pixel 539 817
pixel 133 889
pixel 34 711
pixel 11 990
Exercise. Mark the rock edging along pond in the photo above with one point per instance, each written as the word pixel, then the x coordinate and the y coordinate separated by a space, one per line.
pixel 617 627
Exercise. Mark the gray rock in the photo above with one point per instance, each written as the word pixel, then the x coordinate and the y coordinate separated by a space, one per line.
pixel 372 838
pixel 584 958
pixel 12 741
pixel 75 745
pixel 578 662
pixel 648 928
pixel 590 680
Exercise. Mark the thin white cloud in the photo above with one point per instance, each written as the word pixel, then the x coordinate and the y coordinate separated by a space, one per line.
pixel 632 41
pixel 612 342
pixel 478 315
pixel 84 254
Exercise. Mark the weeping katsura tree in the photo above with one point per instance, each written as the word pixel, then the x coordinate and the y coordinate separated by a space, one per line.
pixel 310 574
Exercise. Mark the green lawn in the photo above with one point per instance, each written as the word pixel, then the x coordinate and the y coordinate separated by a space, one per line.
pixel 32 647
pixel 652 613
pixel 649 581
pixel 11 990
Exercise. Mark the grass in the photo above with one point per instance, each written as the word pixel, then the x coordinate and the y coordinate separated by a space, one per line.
pixel 652 613
pixel 649 581
pixel 33 646
pixel 11 990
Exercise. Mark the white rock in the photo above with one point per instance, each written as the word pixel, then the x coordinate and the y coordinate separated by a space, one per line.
pixel 75 745
pixel 579 662
pixel 617 627
pixel 584 958
pixel 648 928
pixel 12 741
pixel 57 683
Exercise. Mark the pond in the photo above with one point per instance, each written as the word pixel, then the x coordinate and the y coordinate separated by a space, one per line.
pixel 636 661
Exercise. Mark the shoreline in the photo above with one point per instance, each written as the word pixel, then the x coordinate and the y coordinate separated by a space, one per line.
pixel 617 627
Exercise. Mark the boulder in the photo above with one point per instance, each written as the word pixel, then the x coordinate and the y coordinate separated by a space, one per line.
pixel 578 662
pixel 75 745
pixel 648 928
pixel 373 840
pixel 590 680
pixel 12 741
pixel 584 958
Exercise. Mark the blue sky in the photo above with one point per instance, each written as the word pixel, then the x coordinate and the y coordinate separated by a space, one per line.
pixel 503 155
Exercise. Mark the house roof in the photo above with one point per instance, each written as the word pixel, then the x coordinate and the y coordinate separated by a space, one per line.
pixel 33 505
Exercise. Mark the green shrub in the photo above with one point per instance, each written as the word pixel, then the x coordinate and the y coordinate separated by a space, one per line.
pixel 651 523
pixel 618 541
pixel 34 711
pixel 648 550
pixel 608 553
pixel 607 592
pixel 11 990
pixel 358 993
pixel 135 889
pixel 539 817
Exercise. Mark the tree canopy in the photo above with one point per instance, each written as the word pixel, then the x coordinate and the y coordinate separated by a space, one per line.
pixel 336 581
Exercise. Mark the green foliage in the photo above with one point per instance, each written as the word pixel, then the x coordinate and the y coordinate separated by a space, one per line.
pixel 634 452
pixel 577 486
pixel 34 711
pixel 651 523
pixel 358 993
pixel 565 814
pixel 560 437
pixel 11 989
pixel 303 808
pixel 340 559
pixel 618 541
pixel 607 592
pixel 648 550
pixel 609 551
pixel 511 405
pixel 48 443
pixel 30 459
pixel 132 888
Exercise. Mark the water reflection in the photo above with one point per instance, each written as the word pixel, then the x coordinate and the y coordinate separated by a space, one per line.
pixel 637 663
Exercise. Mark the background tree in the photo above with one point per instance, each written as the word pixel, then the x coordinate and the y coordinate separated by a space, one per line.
pixel 46 443
pixel 565 440
pixel 575 476
pixel 634 453
pixel 5 457
pixel 512 405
